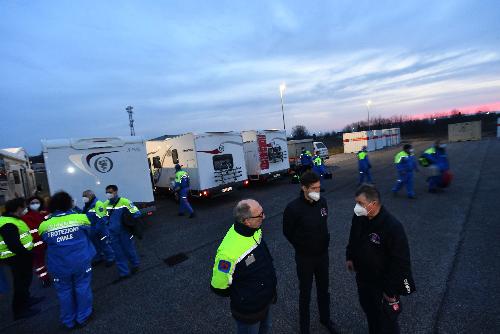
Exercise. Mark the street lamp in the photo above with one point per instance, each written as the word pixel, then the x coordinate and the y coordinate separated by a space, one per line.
pixel 282 90
pixel 368 104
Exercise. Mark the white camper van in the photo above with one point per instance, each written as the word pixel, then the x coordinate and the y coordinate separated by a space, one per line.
pixel 214 161
pixel 74 165
pixel 17 179
pixel 266 154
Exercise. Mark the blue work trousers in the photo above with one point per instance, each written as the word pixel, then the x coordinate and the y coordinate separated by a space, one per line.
pixel 365 174
pixel 75 296
pixel 184 205
pixel 124 248
pixel 261 327
pixel 102 242
pixel 404 179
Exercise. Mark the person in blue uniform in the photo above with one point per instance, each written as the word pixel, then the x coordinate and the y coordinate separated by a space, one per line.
pixel 69 257
pixel 182 188
pixel 405 165
pixel 98 215
pixel 121 238
pixel 364 166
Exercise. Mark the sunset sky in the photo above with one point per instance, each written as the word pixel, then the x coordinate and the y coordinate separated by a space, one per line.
pixel 70 68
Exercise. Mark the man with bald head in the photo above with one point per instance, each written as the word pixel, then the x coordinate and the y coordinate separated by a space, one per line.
pixel 244 270
pixel 97 214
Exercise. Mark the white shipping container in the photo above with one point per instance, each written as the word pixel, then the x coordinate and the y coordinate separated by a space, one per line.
pixel 354 141
pixel 387 134
pixel 378 136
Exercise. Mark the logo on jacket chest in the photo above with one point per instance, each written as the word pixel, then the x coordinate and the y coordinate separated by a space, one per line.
pixel 375 238
pixel 250 259
pixel 324 212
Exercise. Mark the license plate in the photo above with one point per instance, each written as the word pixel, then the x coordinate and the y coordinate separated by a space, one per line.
pixel 225 190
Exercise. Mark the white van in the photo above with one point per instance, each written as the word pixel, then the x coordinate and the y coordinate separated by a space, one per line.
pixel 323 150
pixel 77 164
pixel 17 179
pixel 214 161
pixel 266 154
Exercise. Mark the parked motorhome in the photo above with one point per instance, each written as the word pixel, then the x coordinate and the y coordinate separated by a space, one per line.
pixel 215 162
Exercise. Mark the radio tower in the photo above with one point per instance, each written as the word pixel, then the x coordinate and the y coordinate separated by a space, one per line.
pixel 130 119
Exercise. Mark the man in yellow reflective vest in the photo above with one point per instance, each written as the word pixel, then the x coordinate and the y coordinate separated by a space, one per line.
pixel 16 244
pixel 244 270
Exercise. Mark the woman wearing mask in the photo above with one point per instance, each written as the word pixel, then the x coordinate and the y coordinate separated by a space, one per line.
pixel 33 218
pixel 69 256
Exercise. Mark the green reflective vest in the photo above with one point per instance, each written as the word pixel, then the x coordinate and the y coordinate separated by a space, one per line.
pixel 317 161
pixel 231 251
pixel 66 221
pixel 399 156
pixel 362 155
pixel 179 175
pixel 430 150
pixel 24 236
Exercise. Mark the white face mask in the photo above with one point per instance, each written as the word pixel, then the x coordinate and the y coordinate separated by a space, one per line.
pixel 314 195
pixel 109 196
pixel 85 199
pixel 25 211
pixel 360 211
pixel 35 207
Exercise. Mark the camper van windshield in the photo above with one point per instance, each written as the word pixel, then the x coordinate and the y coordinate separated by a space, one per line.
pixel 320 145
pixel 223 161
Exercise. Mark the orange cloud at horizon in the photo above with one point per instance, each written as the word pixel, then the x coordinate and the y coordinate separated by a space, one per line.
pixel 471 109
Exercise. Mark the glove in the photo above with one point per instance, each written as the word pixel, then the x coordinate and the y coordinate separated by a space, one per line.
pixel 391 308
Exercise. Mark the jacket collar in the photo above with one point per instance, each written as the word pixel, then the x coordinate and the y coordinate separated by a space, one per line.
pixel 244 230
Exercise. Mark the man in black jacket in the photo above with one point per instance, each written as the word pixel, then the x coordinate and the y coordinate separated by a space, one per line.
pixel 305 225
pixel 244 270
pixel 379 254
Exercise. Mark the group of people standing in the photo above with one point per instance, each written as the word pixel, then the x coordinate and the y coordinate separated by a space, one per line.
pixel 71 240
pixel 377 251
pixel 433 158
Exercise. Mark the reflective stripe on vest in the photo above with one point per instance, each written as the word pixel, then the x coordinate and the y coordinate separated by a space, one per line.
pixel 24 236
pixel 399 156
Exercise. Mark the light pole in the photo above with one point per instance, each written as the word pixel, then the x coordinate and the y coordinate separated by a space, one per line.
pixel 368 104
pixel 282 90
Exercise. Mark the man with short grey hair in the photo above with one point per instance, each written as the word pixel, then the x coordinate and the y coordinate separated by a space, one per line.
pixel 379 254
pixel 244 270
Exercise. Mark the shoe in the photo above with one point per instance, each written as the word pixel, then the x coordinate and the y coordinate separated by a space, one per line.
pixel 120 279
pixel 330 326
pixel 109 264
pixel 192 215
pixel 28 313
pixel 86 321
pixel 34 300
pixel 134 270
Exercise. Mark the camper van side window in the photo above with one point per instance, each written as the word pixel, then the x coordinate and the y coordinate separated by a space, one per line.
pixel 17 179
pixel 156 162
pixel 175 157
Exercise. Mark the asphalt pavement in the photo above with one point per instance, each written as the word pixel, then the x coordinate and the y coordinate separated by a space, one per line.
pixel 453 238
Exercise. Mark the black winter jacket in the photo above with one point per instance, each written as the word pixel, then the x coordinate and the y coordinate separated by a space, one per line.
pixel 305 225
pixel 380 253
